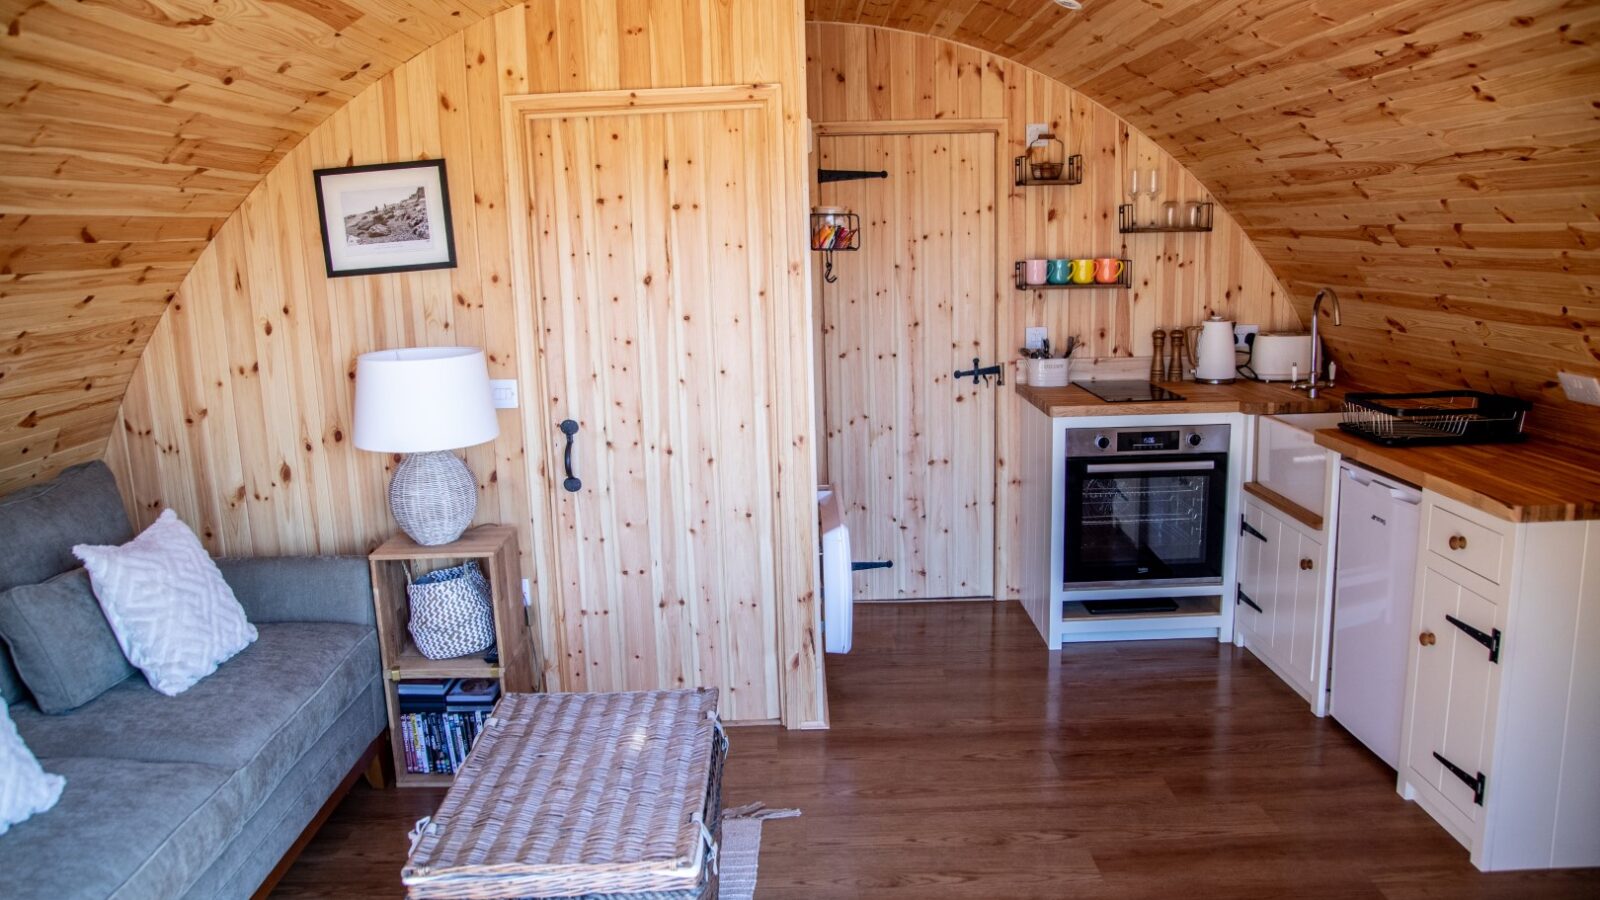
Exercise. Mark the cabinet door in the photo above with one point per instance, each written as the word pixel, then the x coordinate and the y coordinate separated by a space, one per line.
pixel 1274 585
pixel 1453 684
pixel 1252 551
pixel 1301 605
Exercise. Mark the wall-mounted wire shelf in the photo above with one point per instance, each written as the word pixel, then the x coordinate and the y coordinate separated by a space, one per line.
pixel 1197 221
pixel 1071 172
pixel 1125 280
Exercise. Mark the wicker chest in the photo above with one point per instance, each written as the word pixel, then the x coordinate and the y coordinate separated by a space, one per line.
pixel 581 795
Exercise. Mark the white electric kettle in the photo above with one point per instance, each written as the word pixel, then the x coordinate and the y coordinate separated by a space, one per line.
pixel 1214 362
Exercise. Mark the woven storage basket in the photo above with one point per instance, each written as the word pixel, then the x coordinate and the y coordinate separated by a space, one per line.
pixel 581 795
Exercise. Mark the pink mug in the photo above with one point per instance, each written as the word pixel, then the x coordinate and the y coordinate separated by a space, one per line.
pixel 1107 270
pixel 1036 271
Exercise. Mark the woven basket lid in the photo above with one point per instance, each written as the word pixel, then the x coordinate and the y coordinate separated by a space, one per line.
pixel 576 793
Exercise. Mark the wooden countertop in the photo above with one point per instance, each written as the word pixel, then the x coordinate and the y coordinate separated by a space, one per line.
pixel 1250 397
pixel 1534 481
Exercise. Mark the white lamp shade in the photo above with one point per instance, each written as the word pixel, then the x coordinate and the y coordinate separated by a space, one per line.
pixel 422 399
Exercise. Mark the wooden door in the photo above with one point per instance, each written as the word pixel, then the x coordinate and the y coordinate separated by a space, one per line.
pixel 650 233
pixel 910 450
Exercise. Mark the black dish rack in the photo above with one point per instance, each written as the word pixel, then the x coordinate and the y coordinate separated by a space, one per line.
pixel 1435 417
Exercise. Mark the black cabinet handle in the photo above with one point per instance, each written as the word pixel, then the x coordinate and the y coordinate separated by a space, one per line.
pixel 570 429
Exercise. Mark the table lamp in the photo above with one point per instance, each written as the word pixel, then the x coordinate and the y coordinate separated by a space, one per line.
pixel 426 402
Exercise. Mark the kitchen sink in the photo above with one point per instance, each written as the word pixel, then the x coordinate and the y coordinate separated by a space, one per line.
pixel 1289 461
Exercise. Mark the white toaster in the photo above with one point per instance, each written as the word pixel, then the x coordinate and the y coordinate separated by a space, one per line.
pixel 1277 356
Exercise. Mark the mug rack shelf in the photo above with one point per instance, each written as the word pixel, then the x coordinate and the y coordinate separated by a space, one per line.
pixel 1072 172
pixel 1127 224
pixel 1123 282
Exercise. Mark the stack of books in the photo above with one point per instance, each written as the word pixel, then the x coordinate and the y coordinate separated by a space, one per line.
pixel 440 718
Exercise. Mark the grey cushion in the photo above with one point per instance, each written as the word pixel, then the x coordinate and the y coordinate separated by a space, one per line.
pixel 62 644
pixel 123 828
pixel 273 829
pixel 39 525
pixel 302 588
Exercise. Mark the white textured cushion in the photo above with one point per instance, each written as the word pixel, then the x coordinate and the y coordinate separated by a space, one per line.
pixel 173 615
pixel 25 788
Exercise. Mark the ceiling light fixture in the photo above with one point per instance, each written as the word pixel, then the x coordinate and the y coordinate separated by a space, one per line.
pixel 1069 4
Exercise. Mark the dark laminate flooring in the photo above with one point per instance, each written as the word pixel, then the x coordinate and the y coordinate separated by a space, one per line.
pixel 966 761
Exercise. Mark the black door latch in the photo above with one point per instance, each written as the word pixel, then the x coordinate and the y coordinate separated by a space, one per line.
pixel 985 373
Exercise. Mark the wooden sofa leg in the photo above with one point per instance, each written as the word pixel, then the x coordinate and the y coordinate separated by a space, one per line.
pixel 379 774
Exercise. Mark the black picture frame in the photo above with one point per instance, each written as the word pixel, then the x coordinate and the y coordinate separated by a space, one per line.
pixel 343 191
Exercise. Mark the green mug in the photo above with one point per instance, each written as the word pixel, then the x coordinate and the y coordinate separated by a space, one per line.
pixel 1058 271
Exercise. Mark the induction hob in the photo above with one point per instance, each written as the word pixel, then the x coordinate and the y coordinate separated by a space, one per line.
pixel 1129 391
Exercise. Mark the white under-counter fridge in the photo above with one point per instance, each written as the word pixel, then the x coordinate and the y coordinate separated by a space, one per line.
pixel 1374 578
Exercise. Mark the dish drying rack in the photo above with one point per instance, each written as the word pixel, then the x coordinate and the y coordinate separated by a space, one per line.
pixel 1435 417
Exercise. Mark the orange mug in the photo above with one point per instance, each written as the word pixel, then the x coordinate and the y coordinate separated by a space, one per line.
pixel 1082 271
pixel 1107 270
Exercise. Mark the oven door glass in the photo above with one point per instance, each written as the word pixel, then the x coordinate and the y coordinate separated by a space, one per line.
pixel 1148 519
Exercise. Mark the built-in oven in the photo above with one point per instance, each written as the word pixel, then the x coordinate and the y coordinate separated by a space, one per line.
pixel 1145 506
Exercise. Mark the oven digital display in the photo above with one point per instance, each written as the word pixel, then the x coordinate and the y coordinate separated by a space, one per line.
pixel 1147 440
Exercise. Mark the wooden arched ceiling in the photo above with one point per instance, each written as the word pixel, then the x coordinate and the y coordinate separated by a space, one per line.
pixel 1438 163
pixel 129 130
pixel 1435 160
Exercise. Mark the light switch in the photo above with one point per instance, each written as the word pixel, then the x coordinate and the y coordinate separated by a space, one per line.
pixel 1581 388
pixel 504 392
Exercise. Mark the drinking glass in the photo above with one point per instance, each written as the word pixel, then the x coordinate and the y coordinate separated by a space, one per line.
pixel 1155 189
pixel 1133 198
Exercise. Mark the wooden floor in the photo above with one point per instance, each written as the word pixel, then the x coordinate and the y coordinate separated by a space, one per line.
pixel 965 761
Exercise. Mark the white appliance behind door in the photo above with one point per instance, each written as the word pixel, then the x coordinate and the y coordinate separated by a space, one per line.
pixel 1374 577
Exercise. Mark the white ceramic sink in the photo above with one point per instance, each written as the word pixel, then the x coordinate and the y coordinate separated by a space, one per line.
pixel 1289 461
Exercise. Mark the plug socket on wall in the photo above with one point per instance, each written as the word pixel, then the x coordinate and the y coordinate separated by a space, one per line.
pixel 1581 388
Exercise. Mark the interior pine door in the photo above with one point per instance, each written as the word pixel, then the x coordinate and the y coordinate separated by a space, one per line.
pixel 910 449
pixel 648 231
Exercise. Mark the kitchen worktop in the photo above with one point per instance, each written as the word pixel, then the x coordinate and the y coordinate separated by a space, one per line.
pixel 1251 397
pixel 1534 481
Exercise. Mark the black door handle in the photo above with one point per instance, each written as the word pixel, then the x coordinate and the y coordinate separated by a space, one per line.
pixel 570 429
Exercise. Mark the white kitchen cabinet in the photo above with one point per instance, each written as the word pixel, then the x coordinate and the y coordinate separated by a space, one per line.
pixel 1501 728
pixel 1282 610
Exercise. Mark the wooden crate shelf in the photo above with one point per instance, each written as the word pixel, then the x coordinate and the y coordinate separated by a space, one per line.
pixel 494 547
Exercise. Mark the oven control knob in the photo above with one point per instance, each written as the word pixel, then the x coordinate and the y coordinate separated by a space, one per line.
pixel 1194 439
pixel 1103 442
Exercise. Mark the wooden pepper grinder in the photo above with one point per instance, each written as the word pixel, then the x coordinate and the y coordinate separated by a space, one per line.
pixel 1179 352
pixel 1158 360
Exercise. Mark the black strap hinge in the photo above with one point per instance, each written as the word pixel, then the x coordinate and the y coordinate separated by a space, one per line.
pixel 1247 528
pixel 1492 640
pixel 1477 782
pixel 1245 599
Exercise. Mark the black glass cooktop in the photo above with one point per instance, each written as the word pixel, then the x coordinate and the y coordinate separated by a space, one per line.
pixel 1128 391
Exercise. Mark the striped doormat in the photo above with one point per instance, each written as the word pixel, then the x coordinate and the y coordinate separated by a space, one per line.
pixel 741 848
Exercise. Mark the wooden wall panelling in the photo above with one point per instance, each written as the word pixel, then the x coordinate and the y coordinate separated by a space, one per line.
pixel 238 414
pixel 1415 156
pixel 872 75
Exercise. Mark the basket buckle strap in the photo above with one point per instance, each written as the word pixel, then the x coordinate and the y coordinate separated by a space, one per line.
pixel 708 840
pixel 425 825
pixel 722 733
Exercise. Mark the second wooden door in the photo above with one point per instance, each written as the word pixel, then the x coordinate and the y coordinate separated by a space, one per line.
pixel 911 450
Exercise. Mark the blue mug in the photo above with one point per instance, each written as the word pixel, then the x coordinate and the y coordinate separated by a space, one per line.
pixel 1059 271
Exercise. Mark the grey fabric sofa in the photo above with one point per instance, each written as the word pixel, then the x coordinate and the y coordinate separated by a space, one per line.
pixel 202 794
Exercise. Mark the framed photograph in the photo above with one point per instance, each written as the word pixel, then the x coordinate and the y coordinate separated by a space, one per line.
pixel 390 217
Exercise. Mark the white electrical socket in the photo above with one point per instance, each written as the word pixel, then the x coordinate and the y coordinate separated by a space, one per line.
pixel 1035 129
pixel 504 392
pixel 1034 337
pixel 1581 388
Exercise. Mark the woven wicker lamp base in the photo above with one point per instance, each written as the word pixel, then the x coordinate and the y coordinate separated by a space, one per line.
pixel 433 497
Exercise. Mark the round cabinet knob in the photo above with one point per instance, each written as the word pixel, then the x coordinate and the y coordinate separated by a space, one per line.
pixel 1194 440
pixel 1306 564
pixel 1427 639
pixel 1102 441
pixel 1458 542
